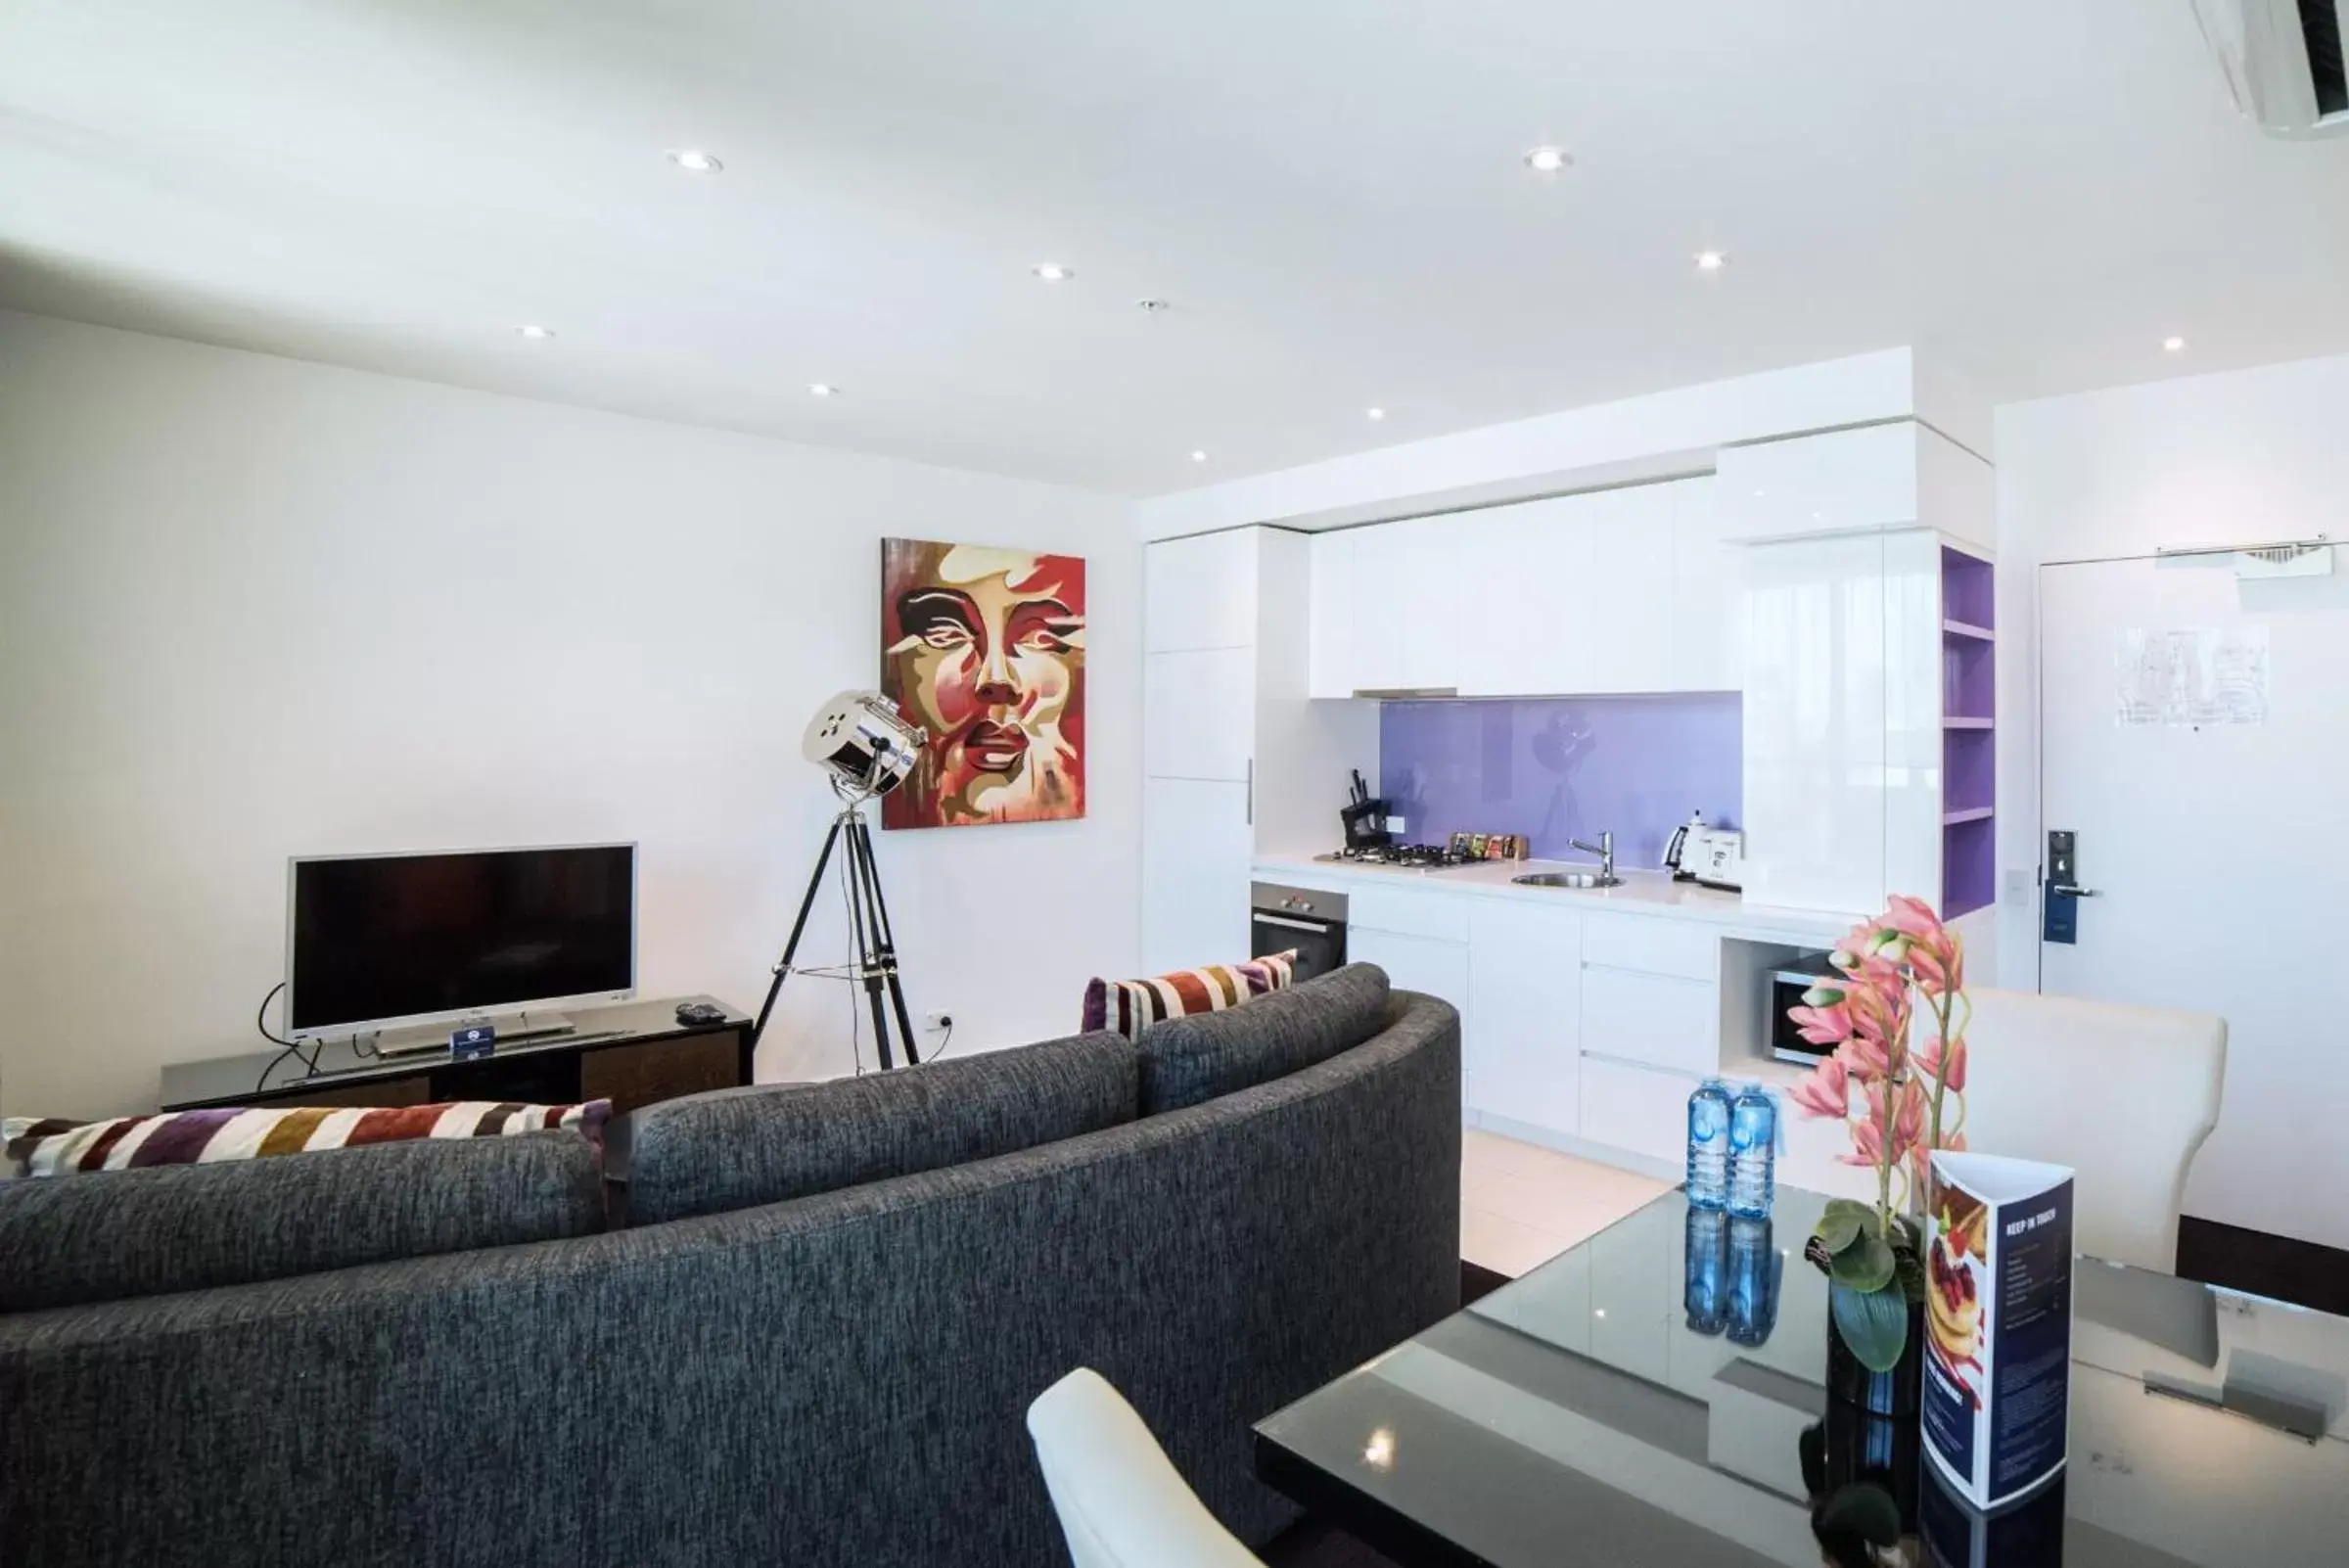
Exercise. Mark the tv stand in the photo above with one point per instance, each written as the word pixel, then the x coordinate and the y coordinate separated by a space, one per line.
pixel 512 1028
pixel 631 1054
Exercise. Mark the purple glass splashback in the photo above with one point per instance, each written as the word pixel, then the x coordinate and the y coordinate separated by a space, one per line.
pixel 1555 768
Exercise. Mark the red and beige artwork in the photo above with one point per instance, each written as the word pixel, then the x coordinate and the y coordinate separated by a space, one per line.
pixel 984 649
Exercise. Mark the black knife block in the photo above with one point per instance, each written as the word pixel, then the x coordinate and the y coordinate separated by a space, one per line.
pixel 1366 825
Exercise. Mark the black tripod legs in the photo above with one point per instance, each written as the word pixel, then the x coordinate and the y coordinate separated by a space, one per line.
pixel 869 931
pixel 876 943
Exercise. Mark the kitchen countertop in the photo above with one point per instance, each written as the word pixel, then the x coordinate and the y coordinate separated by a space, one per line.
pixel 1643 893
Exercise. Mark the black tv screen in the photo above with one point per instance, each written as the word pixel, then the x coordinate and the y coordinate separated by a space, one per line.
pixel 383 938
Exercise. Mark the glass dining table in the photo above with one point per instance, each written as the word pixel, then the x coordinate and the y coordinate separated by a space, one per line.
pixel 1656 1398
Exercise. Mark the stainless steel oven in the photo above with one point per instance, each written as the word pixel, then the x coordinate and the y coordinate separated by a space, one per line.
pixel 1308 920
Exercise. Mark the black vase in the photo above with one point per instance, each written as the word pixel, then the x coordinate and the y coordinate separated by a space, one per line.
pixel 1896 1392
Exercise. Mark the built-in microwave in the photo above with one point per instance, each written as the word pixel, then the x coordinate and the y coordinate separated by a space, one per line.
pixel 1786 988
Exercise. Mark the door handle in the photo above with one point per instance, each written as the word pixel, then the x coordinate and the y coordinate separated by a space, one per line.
pixel 2068 891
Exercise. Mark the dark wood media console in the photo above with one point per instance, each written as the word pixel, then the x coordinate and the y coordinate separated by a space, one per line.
pixel 631 1054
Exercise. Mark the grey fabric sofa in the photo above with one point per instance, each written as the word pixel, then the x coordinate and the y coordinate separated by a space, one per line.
pixel 832 1377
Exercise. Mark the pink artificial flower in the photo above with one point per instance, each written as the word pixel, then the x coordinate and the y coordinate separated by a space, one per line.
pixel 1826 1091
pixel 1906 1135
pixel 1823 1026
pixel 1933 952
pixel 1929 1063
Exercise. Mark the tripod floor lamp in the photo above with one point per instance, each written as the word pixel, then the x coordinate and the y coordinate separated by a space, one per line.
pixel 866 748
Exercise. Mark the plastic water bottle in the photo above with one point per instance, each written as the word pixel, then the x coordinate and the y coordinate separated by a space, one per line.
pixel 1709 1145
pixel 1753 1155
pixel 1753 1273
pixel 1704 1282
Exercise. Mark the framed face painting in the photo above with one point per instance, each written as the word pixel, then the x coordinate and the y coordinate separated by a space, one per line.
pixel 984 649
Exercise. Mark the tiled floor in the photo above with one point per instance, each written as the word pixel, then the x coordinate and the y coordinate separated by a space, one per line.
pixel 1521 1204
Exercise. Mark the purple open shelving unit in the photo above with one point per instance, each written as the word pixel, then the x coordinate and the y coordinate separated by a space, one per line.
pixel 1969 734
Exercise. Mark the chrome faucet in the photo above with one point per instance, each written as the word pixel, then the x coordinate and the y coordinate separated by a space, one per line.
pixel 1604 849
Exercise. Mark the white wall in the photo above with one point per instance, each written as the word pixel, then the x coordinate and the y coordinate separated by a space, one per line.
pixel 2240 457
pixel 251 608
pixel 2244 456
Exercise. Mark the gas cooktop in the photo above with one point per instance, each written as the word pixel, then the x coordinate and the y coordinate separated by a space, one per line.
pixel 1409 856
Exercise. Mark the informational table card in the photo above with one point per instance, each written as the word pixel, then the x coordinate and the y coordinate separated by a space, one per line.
pixel 1998 1323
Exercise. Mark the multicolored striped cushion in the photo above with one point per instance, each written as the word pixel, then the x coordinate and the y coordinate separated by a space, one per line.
pixel 1131 1006
pixel 206 1137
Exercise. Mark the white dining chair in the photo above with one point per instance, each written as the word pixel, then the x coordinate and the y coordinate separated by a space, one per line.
pixel 2124 1095
pixel 1121 1503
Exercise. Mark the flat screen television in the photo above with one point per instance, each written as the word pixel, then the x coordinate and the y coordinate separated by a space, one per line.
pixel 379 941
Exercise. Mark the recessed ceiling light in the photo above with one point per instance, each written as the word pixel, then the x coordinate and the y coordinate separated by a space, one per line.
pixel 1053 271
pixel 822 388
pixel 1198 457
pixel 1548 159
pixel 694 160
pixel 1151 306
pixel 1374 413
pixel 2173 344
pixel 531 329
pixel 1711 261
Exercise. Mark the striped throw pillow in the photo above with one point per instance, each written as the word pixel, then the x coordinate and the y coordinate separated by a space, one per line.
pixel 1131 1006
pixel 206 1137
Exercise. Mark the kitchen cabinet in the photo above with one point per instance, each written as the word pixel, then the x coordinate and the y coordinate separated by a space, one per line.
pixel 1624 612
pixel 1198 700
pixel 1202 592
pixel 1900 475
pixel 1641 1110
pixel 1404 601
pixel 1235 760
pixel 1528 634
pixel 1415 963
pixel 1525 986
pixel 1573 595
pixel 1707 607
pixel 1653 1020
pixel 1329 616
pixel 1196 845
pixel 1870 765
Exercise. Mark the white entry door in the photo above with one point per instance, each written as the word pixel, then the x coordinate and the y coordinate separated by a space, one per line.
pixel 2216 852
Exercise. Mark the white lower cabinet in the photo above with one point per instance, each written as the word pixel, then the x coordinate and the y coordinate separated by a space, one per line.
pixel 1415 963
pixel 1641 1109
pixel 1524 982
pixel 1653 1020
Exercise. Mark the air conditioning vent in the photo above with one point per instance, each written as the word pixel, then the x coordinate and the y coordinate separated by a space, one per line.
pixel 2321 29
pixel 2283 62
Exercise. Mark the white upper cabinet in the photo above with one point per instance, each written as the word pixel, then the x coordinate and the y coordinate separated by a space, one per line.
pixel 1708 605
pixel 1201 592
pixel 1404 632
pixel 1527 635
pixel 1902 474
pixel 1625 607
pixel 1815 723
pixel 1329 654
pixel 1846 482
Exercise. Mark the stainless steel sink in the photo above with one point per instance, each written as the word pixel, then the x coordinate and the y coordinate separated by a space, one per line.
pixel 1567 879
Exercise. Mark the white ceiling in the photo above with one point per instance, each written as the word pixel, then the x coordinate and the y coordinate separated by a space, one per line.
pixel 1329 192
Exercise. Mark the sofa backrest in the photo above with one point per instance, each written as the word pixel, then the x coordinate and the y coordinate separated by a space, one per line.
pixel 835 1381
pixel 770 1142
pixel 107 1234
pixel 1193 1059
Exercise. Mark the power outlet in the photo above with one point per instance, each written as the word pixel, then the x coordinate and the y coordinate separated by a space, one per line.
pixel 936 1022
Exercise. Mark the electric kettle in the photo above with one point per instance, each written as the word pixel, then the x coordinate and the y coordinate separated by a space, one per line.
pixel 1676 850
